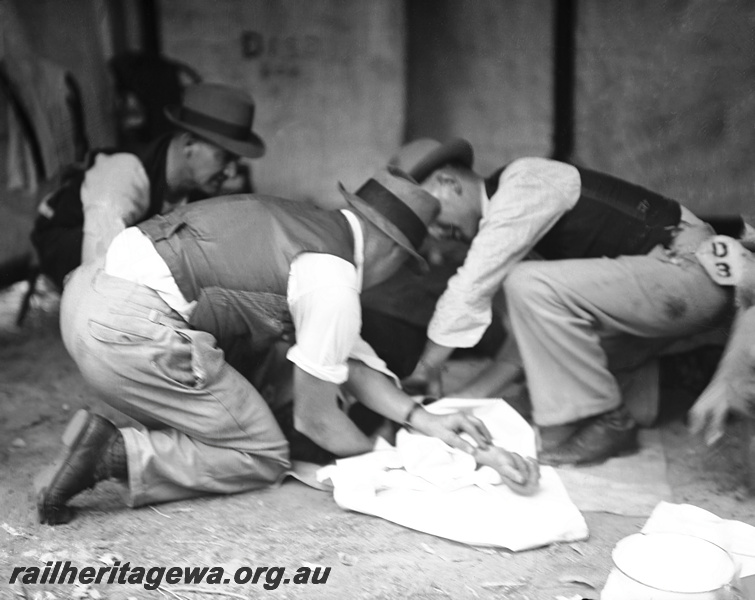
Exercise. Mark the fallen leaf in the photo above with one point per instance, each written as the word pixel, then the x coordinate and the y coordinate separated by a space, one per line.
pixel 576 579
pixel 577 549
pixel 110 559
pixel 492 585
pixel 475 594
pixel 11 530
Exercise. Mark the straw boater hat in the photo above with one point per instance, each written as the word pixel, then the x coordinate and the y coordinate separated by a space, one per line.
pixel 423 156
pixel 397 206
pixel 220 114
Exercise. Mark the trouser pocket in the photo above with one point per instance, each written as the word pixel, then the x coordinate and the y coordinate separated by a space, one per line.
pixel 191 358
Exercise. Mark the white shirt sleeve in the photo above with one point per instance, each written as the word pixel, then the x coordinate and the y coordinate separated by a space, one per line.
pixel 533 194
pixel 114 195
pixel 323 297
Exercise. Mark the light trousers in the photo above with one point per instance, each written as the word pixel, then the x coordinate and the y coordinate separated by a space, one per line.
pixel 206 430
pixel 581 323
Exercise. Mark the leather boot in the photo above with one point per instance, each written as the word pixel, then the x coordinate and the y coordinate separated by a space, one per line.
pixel 90 454
pixel 611 434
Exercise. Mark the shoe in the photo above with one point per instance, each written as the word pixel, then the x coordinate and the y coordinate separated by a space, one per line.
pixel 86 440
pixel 611 434
pixel 552 436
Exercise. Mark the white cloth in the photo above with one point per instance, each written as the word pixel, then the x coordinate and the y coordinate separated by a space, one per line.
pixel 425 485
pixel 736 537
pixel 533 194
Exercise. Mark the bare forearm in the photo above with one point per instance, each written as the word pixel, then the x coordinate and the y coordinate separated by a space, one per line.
pixel 434 356
pixel 316 415
pixel 376 391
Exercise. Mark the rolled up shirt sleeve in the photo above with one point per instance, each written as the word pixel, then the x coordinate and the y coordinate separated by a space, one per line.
pixel 533 194
pixel 323 298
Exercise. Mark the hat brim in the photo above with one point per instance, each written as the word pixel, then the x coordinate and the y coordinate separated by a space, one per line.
pixel 252 147
pixel 455 151
pixel 417 262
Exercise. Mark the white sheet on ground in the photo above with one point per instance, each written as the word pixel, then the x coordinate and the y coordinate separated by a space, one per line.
pixel 425 485
pixel 736 537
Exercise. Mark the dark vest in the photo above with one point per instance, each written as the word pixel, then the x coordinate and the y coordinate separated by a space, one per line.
pixel 611 218
pixel 233 256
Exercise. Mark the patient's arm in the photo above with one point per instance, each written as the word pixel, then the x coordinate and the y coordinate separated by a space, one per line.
pixel 520 474
pixel 378 392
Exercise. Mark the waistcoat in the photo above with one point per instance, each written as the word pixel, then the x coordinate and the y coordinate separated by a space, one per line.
pixel 611 218
pixel 233 256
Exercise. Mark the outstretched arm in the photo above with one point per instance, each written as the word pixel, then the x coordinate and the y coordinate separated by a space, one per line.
pixel 317 415
pixel 378 393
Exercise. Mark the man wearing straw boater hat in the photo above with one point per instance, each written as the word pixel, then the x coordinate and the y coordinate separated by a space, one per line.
pixel 147 328
pixel 119 189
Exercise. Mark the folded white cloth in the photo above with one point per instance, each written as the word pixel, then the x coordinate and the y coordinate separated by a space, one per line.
pixel 425 485
pixel 736 537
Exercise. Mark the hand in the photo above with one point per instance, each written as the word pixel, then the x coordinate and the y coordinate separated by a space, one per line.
pixel 424 381
pixel 708 417
pixel 449 428
pixel 521 475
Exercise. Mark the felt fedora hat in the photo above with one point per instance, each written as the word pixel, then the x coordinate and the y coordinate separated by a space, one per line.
pixel 421 157
pixel 220 114
pixel 398 207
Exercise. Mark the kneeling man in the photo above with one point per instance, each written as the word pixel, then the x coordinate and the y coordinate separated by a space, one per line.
pixel 144 329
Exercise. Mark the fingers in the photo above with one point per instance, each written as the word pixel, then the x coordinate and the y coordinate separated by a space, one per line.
pixel 525 478
pixel 708 421
pixel 454 440
pixel 715 427
pixel 475 428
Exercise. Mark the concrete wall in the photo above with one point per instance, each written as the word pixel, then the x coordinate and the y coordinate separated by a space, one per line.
pixel 327 76
pixel 666 97
pixel 72 33
pixel 665 89
pixel 482 69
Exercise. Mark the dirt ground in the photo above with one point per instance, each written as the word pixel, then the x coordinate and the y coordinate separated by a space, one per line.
pixel 292 526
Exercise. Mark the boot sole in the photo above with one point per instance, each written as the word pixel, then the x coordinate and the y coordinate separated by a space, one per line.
pixel 71 436
pixel 599 460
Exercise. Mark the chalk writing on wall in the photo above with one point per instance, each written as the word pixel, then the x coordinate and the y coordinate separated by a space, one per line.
pixel 282 55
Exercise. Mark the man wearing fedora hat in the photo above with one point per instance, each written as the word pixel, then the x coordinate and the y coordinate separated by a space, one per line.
pixel 620 282
pixel 118 189
pixel 148 329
